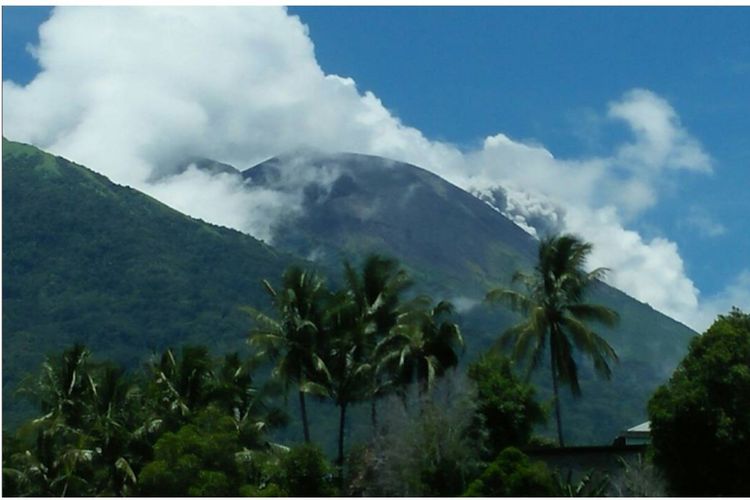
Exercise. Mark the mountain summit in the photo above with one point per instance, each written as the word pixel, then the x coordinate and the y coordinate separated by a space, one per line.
pixel 355 203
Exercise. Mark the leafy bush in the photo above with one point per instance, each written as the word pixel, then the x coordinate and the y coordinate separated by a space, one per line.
pixel 306 472
pixel 700 420
pixel 194 461
pixel 513 474
pixel 506 404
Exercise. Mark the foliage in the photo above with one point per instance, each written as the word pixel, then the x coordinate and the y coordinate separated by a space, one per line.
pixel 294 339
pixel 86 260
pixel 512 474
pixel 306 472
pixel 700 419
pixel 197 460
pixel 556 315
pixel 82 442
pixel 180 428
pixel 422 346
pixel 506 405
pixel 376 294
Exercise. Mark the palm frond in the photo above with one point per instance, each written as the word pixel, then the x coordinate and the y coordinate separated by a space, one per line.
pixel 515 300
pixel 594 312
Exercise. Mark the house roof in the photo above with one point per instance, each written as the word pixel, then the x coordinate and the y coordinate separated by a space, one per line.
pixel 644 427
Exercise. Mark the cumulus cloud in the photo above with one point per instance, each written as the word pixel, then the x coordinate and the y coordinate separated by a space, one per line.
pixel 660 139
pixel 132 92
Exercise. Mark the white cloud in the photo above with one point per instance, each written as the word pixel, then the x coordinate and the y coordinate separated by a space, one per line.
pixel 736 294
pixel 660 139
pixel 703 223
pixel 131 92
pixel 651 271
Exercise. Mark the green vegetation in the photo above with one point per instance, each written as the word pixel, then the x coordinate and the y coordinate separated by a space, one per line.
pixel 556 315
pixel 89 261
pixel 512 474
pixel 506 406
pixel 700 419
pixel 86 260
pixel 195 425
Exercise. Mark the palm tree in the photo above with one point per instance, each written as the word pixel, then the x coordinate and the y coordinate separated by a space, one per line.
pixel 376 293
pixel 234 391
pixel 63 449
pixel 293 339
pixel 181 385
pixel 422 346
pixel 116 412
pixel 348 333
pixel 556 315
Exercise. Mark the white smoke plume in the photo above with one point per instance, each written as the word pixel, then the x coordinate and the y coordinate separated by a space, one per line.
pixel 132 92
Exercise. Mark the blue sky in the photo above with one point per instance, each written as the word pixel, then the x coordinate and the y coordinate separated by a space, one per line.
pixel 461 74
pixel 548 77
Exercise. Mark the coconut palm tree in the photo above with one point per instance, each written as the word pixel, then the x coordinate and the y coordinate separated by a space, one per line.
pixel 62 453
pixel 376 293
pixel 422 346
pixel 557 316
pixel 347 356
pixel 236 393
pixel 181 385
pixel 293 339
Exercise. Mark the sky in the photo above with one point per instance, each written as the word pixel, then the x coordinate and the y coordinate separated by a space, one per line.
pixel 627 126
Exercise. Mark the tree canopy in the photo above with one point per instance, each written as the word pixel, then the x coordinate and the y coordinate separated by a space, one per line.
pixel 700 419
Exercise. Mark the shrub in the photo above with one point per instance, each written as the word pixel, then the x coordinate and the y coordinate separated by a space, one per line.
pixel 513 474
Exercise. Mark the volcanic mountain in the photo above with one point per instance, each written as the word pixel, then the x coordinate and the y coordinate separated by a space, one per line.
pixel 458 247
pixel 85 259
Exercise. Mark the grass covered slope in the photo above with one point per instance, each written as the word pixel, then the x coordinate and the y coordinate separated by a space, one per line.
pixel 85 259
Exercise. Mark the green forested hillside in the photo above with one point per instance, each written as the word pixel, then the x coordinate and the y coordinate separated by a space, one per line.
pixel 87 260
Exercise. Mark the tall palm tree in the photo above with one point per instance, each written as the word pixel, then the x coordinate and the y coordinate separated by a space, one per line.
pixel 376 293
pixel 63 450
pixel 422 346
pixel 556 315
pixel 116 412
pixel 293 339
pixel 347 351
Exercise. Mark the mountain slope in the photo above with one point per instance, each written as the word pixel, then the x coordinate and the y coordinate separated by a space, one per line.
pixel 85 259
pixel 458 247
pixel 375 204
pixel 88 260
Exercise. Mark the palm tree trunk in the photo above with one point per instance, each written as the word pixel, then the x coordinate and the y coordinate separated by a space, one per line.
pixel 373 414
pixel 303 411
pixel 342 424
pixel 556 396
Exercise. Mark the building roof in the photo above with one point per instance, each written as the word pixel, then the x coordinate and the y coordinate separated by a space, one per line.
pixel 644 427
